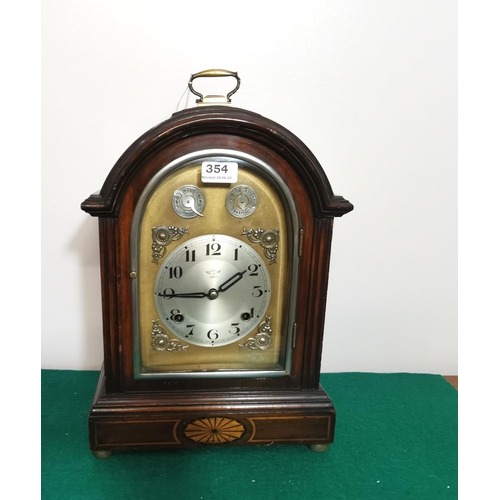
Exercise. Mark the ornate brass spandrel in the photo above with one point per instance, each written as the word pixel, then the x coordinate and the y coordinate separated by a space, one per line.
pixel 263 339
pixel 161 342
pixel 162 237
pixel 268 240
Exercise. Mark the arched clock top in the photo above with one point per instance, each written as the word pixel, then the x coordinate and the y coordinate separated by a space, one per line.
pixel 225 121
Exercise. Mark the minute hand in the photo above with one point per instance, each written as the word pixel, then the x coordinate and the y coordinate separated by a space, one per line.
pixel 193 295
pixel 231 281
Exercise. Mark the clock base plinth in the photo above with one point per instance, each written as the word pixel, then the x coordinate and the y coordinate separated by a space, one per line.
pixel 189 419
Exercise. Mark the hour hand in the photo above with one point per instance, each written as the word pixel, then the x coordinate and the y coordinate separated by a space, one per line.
pixel 231 281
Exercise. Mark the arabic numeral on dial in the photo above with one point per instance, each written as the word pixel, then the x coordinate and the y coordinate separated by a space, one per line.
pixel 167 293
pixel 175 315
pixel 257 292
pixel 190 256
pixel 213 334
pixel 236 329
pixel 174 272
pixel 247 315
pixel 235 254
pixel 253 268
pixel 191 327
pixel 213 248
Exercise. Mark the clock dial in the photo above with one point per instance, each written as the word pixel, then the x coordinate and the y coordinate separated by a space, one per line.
pixel 212 290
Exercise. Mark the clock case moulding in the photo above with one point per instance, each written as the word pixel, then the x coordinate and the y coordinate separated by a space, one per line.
pixel 136 414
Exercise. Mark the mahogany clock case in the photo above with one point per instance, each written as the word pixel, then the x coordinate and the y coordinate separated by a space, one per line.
pixel 134 412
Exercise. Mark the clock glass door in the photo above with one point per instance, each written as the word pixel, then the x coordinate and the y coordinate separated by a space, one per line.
pixel 214 253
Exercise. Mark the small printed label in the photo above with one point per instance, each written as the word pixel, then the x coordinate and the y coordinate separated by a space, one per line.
pixel 212 171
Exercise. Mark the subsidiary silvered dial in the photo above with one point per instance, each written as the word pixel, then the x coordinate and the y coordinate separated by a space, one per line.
pixel 212 290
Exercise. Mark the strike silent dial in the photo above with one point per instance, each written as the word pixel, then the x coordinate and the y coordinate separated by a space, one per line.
pixel 188 202
pixel 241 201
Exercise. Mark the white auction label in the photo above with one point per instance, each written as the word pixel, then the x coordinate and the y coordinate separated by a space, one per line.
pixel 214 171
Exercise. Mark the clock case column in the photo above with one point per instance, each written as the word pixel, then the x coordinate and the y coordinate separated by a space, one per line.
pixel 136 414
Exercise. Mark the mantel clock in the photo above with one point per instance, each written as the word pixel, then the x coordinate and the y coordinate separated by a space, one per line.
pixel 215 231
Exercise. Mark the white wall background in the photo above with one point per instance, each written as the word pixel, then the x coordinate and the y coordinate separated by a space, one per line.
pixel 370 87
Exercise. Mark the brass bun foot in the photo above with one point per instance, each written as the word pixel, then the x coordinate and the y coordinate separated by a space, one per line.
pixel 318 448
pixel 102 453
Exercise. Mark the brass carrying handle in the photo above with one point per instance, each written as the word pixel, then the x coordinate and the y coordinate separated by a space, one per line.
pixel 213 73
